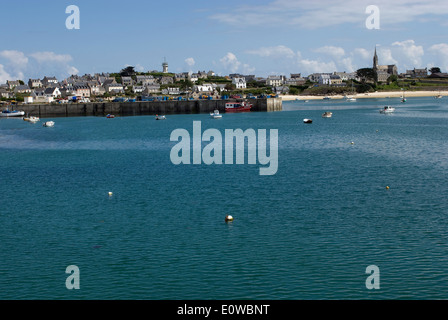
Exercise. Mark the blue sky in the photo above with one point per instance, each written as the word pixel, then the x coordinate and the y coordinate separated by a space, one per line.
pixel 259 37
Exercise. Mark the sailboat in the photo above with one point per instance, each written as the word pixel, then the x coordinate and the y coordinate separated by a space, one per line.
pixel 403 99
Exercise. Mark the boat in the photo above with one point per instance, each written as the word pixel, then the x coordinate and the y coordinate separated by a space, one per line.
pixel 351 99
pixel 160 117
pixel 48 124
pixel 403 99
pixel 307 121
pixel 238 107
pixel 31 119
pixel 327 114
pixel 387 109
pixel 110 116
pixel 15 113
pixel 439 96
pixel 215 114
pixel 327 98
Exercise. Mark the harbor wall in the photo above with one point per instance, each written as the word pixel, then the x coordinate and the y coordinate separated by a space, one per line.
pixel 142 108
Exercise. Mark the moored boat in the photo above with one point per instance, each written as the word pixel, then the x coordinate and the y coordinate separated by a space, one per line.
pixel 48 124
pixel 307 121
pixel 15 113
pixel 160 117
pixel 31 119
pixel 215 114
pixel 110 116
pixel 387 109
pixel 327 114
pixel 238 107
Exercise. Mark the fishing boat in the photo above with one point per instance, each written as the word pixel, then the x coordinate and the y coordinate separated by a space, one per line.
pixel 327 114
pixel 307 121
pixel 238 107
pixel 215 114
pixel 48 124
pixel 160 117
pixel 110 116
pixel 387 109
pixel 15 113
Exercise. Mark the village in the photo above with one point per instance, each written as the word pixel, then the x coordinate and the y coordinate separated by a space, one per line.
pixel 130 86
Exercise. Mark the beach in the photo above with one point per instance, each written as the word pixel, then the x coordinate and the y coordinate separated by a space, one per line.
pixel 385 94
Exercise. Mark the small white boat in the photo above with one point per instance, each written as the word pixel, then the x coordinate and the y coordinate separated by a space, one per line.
pixel 387 109
pixel 160 117
pixel 215 114
pixel 7 113
pixel 351 99
pixel 439 96
pixel 31 119
pixel 48 124
pixel 327 114
pixel 307 121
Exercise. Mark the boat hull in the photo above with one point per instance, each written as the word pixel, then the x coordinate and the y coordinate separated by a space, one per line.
pixel 12 114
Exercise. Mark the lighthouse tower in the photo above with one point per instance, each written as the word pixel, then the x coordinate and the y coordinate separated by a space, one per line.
pixel 165 66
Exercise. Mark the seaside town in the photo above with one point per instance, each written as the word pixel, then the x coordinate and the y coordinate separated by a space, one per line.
pixel 130 86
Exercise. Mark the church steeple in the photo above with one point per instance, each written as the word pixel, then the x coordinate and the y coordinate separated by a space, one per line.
pixel 375 60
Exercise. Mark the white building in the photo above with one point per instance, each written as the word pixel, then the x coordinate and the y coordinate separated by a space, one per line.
pixel 240 83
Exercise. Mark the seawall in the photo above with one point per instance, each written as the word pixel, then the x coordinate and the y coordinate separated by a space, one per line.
pixel 141 108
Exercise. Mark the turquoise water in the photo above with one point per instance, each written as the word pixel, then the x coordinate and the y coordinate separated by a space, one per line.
pixel 308 232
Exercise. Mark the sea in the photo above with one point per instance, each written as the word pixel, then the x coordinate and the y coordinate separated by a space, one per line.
pixel 98 203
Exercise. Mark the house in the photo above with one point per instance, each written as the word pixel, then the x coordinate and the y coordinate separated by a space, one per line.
pixel 6 94
pixel 81 91
pixel 52 92
pixel 127 81
pixel 138 89
pixel 204 88
pixel 166 80
pixel 281 90
pixel 114 88
pixel 324 79
pixel 193 77
pixel 295 81
pixel 145 80
pixel 211 73
pixel 439 75
pixel 181 76
pixel 22 89
pixel 12 84
pixel 274 81
pixel 417 73
pixel 174 90
pixel 240 83
pixel 48 81
pixel 296 76
pixel 96 89
pixel 335 80
pixel 152 88
pixel 35 83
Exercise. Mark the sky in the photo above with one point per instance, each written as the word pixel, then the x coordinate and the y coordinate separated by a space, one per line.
pixel 261 37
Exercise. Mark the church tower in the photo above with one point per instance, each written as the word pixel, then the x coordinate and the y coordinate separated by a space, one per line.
pixel 375 66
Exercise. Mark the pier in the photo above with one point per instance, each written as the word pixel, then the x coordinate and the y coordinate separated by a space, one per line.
pixel 142 108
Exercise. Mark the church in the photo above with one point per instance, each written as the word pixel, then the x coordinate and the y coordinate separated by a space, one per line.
pixel 383 73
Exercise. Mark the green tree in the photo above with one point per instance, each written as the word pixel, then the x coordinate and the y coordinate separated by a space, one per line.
pixel 435 70
pixel 366 74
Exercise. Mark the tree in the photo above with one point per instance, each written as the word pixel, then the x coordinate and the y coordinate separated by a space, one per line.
pixel 366 74
pixel 392 78
pixel 435 70
pixel 127 72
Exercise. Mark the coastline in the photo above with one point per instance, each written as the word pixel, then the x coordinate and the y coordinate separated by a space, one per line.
pixel 373 95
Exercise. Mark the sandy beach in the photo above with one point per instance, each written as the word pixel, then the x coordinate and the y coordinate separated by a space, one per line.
pixel 392 94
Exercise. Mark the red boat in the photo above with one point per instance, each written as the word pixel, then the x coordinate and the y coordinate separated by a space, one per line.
pixel 238 107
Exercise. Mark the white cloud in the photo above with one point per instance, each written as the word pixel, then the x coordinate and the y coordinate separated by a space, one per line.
pixel 335 52
pixel 441 52
pixel 230 62
pixel 326 13
pixel 190 62
pixel 409 54
pixel 4 76
pixel 48 56
pixel 15 58
pixel 277 51
pixel 313 66
pixel 385 56
pixel 363 53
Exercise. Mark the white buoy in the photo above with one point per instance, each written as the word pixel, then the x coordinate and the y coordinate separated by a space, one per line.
pixel 110 194
pixel 229 218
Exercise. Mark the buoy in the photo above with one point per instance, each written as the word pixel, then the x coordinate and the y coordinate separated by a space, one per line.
pixel 229 218
pixel 110 194
pixel 352 142
pixel 387 188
